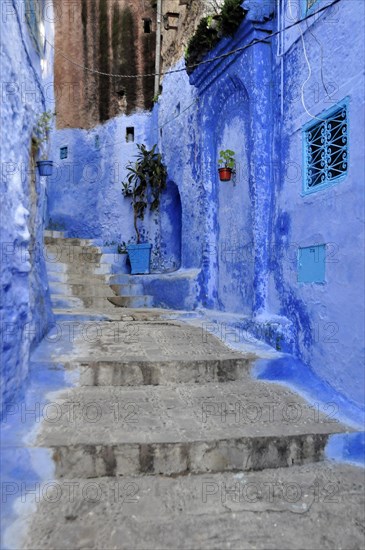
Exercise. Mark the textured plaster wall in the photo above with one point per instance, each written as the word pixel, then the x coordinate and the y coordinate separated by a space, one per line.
pixel 242 237
pixel 107 36
pixel 27 90
pixel 328 318
pixel 177 126
pixel 252 228
pixel 85 192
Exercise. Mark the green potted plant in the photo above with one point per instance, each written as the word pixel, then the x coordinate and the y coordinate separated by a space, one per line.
pixel 144 184
pixel 227 164
pixel 40 142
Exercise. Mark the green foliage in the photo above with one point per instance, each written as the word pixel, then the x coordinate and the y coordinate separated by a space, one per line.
pixel 41 132
pixel 144 183
pixel 226 158
pixel 230 17
pixel 205 38
pixel 211 29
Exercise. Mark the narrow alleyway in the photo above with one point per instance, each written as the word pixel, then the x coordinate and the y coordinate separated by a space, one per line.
pixel 158 437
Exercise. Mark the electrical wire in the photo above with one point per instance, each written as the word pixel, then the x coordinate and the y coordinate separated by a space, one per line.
pixel 308 64
pixel 207 61
pixel 196 101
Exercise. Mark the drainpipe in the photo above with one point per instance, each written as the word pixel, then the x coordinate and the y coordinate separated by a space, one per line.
pixel 158 47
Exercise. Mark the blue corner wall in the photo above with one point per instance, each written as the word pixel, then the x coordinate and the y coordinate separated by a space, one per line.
pixel 242 237
pixel 27 91
pixel 252 228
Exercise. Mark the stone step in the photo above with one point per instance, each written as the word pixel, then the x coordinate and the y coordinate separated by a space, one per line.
pixel 60 301
pixel 123 279
pixel 289 508
pixel 164 373
pixel 65 302
pixel 116 259
pixel 131 289
pixel 83 268
pixel 237 426
pixel 81 290
pixel 54 234
pixel 137 301
pixel 68 241
pixel 77 279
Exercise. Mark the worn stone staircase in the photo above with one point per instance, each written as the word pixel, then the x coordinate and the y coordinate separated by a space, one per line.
pixel 167 441
pixel 81 276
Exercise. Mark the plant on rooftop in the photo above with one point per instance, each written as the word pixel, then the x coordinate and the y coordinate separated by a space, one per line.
pixel 211 29
pixel 143 185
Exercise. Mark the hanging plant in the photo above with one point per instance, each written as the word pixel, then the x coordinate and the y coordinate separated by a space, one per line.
pixel 40 142
pixel 226 164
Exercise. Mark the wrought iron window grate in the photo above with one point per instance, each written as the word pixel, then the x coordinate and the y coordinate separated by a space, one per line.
pixel 326 152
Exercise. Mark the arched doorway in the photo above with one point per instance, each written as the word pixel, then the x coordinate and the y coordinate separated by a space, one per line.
pixel 170 228
pixel 234 214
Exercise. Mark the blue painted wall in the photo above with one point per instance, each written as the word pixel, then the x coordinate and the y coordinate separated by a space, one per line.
pixel 253 229
pixel 244 235
pixel 27 90
pixel 328 318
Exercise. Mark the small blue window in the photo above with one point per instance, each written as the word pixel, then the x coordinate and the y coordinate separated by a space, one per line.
pixel 312 264
pixel 63 153
pixel 326 149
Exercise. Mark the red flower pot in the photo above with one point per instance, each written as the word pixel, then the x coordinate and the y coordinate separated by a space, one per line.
pixel 225 174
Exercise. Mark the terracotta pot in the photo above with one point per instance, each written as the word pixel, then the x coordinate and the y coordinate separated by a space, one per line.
pixel 225 174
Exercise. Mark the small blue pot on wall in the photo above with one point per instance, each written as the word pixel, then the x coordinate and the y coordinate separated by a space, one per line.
pixel 139 256
pixel 45 167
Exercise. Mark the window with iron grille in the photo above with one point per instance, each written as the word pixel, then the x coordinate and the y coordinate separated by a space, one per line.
pixel 34 19
pixel 326 149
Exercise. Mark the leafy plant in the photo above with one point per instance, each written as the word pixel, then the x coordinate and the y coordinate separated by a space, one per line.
pixel 231 16
pixel 211 29
pixel 227 158
pixel 204 39
pixel 144 184
pixel 41 132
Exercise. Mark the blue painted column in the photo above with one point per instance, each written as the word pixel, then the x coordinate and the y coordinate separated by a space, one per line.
pixel 261 168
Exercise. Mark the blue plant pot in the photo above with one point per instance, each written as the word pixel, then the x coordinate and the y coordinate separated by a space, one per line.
pixel 139 257
pixel 45 167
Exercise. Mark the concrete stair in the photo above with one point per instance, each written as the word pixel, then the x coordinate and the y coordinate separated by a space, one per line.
pixel 133 301
pixel 180 430
pixel 129 293
pixel 166 423
pixel 71 261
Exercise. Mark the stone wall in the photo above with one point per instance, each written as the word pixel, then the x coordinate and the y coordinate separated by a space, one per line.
pixel 106 36
pixel 178 28
pixel 27 90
